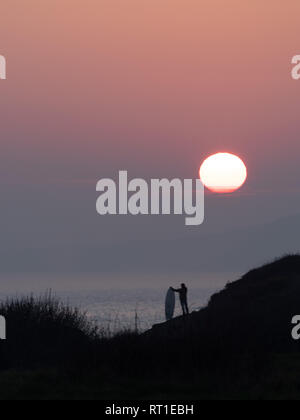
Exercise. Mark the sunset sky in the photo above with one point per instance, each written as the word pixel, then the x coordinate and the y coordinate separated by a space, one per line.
pixel 151 87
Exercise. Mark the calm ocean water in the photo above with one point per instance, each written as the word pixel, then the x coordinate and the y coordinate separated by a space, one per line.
pixel 116 307
pixel 119 309
pixel 115 310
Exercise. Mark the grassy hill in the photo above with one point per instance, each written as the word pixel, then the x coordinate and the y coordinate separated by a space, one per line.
pixel 251 314
pixel 238 347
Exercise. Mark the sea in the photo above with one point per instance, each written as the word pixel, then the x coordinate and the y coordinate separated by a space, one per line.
pixel 115 305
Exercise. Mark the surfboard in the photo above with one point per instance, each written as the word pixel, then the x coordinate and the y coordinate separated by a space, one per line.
pixel 170 304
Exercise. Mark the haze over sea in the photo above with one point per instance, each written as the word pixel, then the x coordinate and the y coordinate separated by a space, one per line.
pixel 116 302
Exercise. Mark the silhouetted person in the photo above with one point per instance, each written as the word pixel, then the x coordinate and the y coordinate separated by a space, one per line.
pixel 183 291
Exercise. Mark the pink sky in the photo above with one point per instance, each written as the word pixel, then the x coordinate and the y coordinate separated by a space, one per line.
pixel 153 87
pixel 185 78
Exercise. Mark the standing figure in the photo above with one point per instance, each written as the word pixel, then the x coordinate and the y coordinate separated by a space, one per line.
pixel 183 291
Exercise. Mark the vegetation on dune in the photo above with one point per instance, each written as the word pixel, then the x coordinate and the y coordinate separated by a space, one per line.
pixel 43 331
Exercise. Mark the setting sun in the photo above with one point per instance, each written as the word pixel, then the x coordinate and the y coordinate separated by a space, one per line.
pixel 223 173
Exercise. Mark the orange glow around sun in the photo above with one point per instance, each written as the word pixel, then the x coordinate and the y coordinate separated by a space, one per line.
pixel 223 173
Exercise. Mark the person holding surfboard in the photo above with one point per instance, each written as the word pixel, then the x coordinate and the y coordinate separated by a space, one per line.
pixel 183 292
